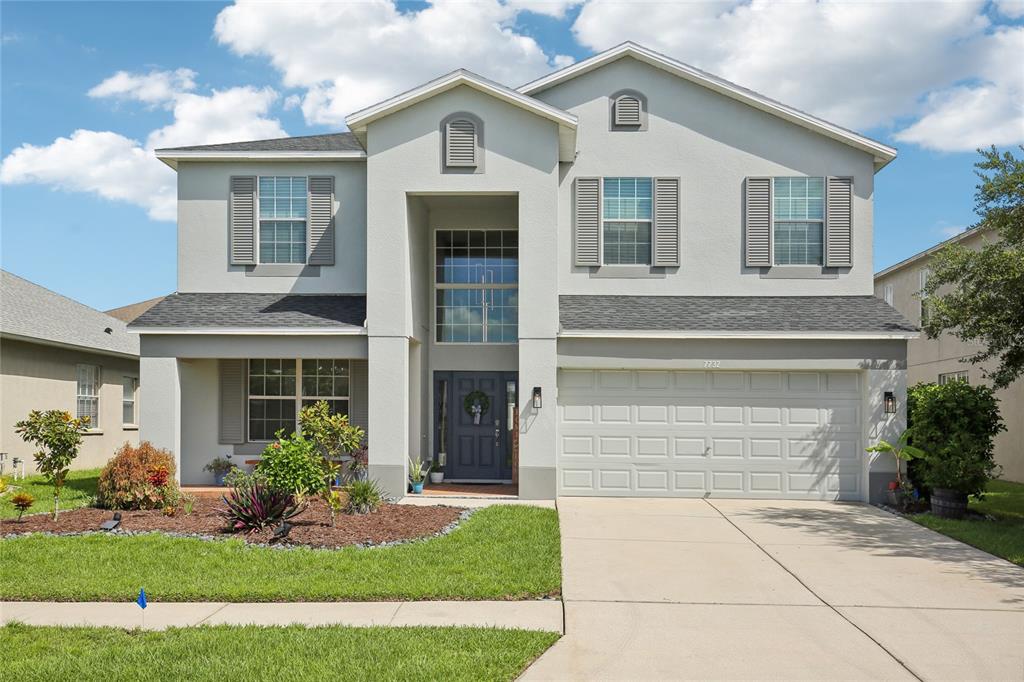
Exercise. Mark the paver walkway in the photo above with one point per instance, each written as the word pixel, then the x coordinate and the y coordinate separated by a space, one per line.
pixel 527 615
pixel 740 589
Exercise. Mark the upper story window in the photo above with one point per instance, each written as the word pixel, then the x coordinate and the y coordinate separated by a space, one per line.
pixel 87 394
pixel 887 293
pixel 799 217
pixel 129 392
pixel 923 275
pixel 476 286
pixel 283 202
pixel 626 226
pixel 950 377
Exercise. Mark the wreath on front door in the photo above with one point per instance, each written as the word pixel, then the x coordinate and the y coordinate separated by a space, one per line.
pixel 473 399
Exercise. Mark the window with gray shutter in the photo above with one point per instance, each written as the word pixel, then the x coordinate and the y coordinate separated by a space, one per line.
pixel 321 220
pixel 627 111
pixel 460 143
pixel 232 401
pixel 758 222
pixel 666 222
pixel 242 220
pixel 587 222
pixel 839 223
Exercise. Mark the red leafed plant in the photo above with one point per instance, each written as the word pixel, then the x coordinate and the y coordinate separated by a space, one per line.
pixel 255 505
pixel 158 476
pixel 138 477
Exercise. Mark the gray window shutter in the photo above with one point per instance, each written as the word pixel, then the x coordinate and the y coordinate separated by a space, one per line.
pixel 460 143
pixel 321 220
pixel 358 403
pixel 627 111
pixel 587 222
pixel 758 209
pixel 666 222
pixel 839 222
pixel 242 220
pixel 232 401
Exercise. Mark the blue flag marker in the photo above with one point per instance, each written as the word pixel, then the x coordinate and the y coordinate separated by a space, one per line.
pixel 141 601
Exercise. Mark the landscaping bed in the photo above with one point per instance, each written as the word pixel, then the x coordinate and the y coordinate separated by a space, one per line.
pixel 390 523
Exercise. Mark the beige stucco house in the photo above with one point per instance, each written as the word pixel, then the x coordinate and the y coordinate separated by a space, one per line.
pixel 629 277
pixel 58 354
pixel 940 360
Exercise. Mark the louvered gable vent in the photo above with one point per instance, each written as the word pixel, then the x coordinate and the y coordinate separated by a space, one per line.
pixel 627 111
pixel 460 143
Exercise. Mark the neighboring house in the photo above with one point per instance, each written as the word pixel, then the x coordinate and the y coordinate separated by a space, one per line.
pixel 127 313
pixel 667 275
pixel 58 354
pixel 940 360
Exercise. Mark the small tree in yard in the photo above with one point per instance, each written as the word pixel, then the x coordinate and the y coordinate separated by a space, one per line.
pixel 985 301
pixel 332 434
pixel 58 436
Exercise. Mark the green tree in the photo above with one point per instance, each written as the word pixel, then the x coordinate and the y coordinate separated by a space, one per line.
pixel 58 437
pixel 984 301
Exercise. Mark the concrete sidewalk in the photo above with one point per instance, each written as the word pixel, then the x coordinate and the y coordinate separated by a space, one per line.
pixel 526 615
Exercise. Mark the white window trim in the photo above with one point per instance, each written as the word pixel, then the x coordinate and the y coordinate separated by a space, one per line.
pixel 97 385
pixel 824 236
pixel 259 220
pixel 298 395
pixel 134 423
pixel 600 239
pixel 949 377
pixel 888 293
pixel 443 286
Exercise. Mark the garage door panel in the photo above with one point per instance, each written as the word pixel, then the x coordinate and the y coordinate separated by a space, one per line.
pixel 687 433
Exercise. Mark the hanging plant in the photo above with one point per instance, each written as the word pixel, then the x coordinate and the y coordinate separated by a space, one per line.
pixel 476 398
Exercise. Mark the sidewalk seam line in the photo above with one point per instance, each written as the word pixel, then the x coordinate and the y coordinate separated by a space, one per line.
pixel 214 613
pixel 816 595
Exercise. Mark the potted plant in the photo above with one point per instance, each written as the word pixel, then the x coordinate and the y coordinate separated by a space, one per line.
pixel 899 490
pixel 416 476
pixel 219 467
pixel 436 472
pixel 955 424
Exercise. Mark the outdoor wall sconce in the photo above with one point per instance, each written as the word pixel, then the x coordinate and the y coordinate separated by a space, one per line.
pixel 890 402
pixel 537 402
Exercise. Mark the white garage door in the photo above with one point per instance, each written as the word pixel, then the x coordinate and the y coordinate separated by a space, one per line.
pixel 728 434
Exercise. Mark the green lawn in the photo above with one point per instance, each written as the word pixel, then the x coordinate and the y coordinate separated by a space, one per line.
pixel 502 552
pixel 1004 536
pixel 79 491
pixel 268 653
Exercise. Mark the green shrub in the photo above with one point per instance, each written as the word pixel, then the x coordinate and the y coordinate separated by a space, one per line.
pixel 58 437
pixel 955 424
pixel 294 465
pixel 363 497
pixel 331 433
pixel 138 477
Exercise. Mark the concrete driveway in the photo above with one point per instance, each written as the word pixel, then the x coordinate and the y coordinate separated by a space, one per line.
pixel 740 589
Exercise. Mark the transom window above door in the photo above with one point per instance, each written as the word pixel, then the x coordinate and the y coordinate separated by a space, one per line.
pixel 283 202
pixel 627 211
pixel 476 278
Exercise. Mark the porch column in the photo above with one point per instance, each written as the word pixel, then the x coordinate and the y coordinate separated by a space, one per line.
pixel 160 405
pixel 388 423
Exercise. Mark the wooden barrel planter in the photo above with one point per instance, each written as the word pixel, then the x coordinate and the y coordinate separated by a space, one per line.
pixel 949 503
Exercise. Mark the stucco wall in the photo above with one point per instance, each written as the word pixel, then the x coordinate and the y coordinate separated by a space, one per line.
pixel 203 261
pixel 928 358
pixel 38 377
pixel 712 143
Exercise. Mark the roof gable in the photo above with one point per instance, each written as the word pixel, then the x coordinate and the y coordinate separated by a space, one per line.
pixel 881 153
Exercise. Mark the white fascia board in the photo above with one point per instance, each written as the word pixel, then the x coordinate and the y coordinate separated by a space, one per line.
pixel 881 153
pixel 970 232
pixel 172 158
pixel 667 334
pixel 252 331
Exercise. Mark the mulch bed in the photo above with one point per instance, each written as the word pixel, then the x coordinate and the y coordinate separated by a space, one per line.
pixel 390 523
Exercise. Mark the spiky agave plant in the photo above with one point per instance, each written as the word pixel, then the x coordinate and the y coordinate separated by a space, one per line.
pixel 256 505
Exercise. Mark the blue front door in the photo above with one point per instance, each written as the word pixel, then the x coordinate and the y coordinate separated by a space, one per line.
pixel 471 413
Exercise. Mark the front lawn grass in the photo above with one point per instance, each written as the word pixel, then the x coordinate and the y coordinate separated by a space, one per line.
pixel 79 491
pixel 501 552
pixel 268 653
pixel 1003 536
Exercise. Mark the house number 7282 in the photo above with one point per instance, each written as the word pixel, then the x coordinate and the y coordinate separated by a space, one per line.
pixel 712 363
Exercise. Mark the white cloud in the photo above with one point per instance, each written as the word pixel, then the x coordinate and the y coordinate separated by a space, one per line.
pixel 861 65
pixel 1014 9
pixel 121 169
pixel 346 56
pixel 155 87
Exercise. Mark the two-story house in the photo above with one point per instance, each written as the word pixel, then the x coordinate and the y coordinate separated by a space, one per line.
pixel 629 277
pixel 941 360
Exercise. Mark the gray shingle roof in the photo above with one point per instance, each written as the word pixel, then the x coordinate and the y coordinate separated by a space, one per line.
pixel 833 314
pixel 34 312
pixel 333 142
pixel 240 311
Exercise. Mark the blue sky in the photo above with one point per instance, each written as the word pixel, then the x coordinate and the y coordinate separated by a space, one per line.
pixel 90 214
